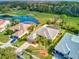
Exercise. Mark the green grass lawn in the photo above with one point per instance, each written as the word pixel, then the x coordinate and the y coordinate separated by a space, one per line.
pixel 26 56
pixel 20 41
pixel 19 13
pixel 4 38
pixel 43 17
pixel 73 21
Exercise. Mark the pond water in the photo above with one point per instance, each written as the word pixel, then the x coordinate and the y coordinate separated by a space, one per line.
pixel 28 19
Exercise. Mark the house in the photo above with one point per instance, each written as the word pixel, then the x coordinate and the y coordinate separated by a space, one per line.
pixel 21 29
pixel 47 31
pixel 68 47
pixel 3 24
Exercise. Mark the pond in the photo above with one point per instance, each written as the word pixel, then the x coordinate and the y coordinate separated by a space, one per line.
pixel 28 19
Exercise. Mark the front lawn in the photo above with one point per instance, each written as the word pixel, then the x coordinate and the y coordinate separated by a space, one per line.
pixel 20 41
pixel 4 38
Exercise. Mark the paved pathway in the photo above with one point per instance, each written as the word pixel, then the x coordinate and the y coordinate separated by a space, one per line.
pixel 14 46
pixel 1 43
pixel 53 57
pixel 23 47
pixel 21 57
pixel 6 44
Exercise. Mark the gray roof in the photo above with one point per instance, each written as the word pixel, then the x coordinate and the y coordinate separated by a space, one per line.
pixel 47 31
pixel 69 43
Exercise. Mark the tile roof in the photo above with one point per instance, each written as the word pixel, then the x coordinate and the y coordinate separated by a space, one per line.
pixel 2 21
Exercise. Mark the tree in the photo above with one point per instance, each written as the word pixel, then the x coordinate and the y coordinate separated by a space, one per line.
pixel 43 41
pixel 31 28
pixel 9 32
pixel 14 22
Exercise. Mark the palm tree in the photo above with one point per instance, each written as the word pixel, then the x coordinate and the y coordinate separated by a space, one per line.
pixel 43 42
pixel 39 40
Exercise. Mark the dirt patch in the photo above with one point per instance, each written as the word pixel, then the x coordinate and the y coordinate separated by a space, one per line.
pixel 43 52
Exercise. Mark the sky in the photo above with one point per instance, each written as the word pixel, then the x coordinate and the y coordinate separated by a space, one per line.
pixel 39 0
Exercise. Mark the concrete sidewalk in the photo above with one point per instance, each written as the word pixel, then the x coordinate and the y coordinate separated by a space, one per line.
pixel 23 47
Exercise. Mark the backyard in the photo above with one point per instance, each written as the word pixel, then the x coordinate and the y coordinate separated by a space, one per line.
pixel 36 51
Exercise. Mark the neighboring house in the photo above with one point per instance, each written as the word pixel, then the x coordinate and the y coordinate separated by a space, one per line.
pixel 46 31
pixel 21 29
pixel 68 47
pixel 3 24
